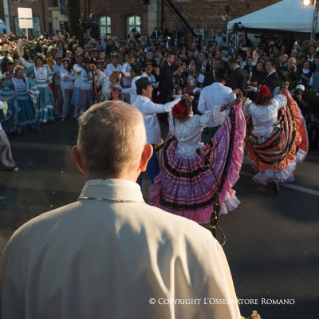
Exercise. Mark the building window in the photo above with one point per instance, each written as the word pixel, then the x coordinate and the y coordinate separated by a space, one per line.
pixel 36 25
pixel 133 22
pixel 105 26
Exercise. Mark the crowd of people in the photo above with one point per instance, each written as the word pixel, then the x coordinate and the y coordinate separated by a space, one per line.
pixel 87 72
pixel 242 97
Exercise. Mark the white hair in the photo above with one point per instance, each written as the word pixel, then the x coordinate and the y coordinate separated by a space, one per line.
pixel 111 139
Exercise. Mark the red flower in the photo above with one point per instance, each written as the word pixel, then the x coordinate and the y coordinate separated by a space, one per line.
pixel 264 90
pixel 178 110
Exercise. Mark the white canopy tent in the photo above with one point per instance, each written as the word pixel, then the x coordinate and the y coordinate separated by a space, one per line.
pixel 286 15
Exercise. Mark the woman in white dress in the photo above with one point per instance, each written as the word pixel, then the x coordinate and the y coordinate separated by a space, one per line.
pixel 276 138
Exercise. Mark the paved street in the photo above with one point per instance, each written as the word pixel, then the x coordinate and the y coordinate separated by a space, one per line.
pixel 272 239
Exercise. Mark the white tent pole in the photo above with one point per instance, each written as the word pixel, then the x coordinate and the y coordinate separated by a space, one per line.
pixel 314 21
pixel 6 15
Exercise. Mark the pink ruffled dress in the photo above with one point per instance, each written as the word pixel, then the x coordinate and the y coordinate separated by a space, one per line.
pixel 185 185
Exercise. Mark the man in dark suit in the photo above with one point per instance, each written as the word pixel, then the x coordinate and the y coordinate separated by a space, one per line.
pixel 271 80
pixel 156 34
pixel 166 84
pixel 238 77
pixel 210 77
pixel 291 69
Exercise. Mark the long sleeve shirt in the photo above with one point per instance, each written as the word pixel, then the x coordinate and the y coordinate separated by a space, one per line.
pixel 151 79
pixel 56 70
pixel 86 80
pixel 111 68
pixel 77 70
pixel 132 90
pixel 149 111
pixel 68 83
pixel 126 70
pixel 214 96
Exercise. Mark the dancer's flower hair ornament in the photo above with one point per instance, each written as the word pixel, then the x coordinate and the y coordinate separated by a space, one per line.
pixel 264 90
pixel 178 110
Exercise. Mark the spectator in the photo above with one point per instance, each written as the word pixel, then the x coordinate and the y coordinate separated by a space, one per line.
pixel 166 84
pixel 210 77
pixel 306 75
pixel 238 77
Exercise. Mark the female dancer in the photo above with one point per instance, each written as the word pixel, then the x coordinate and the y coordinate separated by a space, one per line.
pixel 67 77
pixel 276 138
pixel 25 100
pixel 186 186
pixel 42 76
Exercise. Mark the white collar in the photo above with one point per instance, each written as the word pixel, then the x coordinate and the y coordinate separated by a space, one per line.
pixel 144 98
pixel 271 73
pixel 305 71
pixel 112 189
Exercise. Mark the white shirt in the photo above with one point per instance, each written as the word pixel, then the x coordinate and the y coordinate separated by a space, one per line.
pixel 68 84
pixel 96 259
pixel 86 80
pixel 264 117
pixel 152 80
pixel 57 69
pixel 213 96
pixel 111 68
pixel 132 90
pixel 126 70
pixel 77 70
pixel 149 111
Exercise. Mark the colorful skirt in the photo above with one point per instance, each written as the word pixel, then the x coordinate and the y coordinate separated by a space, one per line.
pixel 187 187
pixel 10 120
pixel 45 105
pixel 27 119
pixel 277 155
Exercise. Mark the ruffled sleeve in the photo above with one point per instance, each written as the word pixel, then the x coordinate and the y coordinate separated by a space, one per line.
pixel 246 107
pixel 218 116
pixel 281 99
pixel 211 115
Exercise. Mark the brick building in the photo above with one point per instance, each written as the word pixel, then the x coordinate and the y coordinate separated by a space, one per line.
pixel 119 16
pixel 46 16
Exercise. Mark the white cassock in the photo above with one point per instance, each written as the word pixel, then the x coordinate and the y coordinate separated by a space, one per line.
pixel 96 259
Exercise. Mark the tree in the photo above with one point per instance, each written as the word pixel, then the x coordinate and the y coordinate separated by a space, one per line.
pixel 73 14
